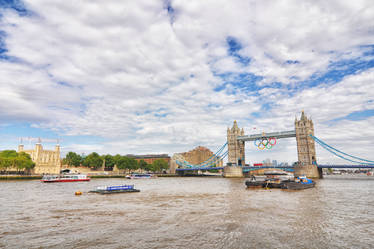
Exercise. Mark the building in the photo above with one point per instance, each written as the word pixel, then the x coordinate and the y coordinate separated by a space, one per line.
pixel 150 158
pixel 194 157
pixel 46 161
pixel 198 155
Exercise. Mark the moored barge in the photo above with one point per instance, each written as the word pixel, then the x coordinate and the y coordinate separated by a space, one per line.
pixel 114 189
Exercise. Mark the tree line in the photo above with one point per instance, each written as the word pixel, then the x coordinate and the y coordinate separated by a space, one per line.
pixel 10 159
pixel 95 161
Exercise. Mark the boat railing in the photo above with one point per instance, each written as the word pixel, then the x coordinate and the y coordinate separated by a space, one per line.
pixel 122 187
pixel 112 188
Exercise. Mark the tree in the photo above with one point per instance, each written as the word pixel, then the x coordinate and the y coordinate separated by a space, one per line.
pixel 72 158
pixel 109 161
pixel 23 161
pixel 149 167
pixel 159 165
pixel 12 159
pixel 124 162
pixel 93 160
pixel 143 164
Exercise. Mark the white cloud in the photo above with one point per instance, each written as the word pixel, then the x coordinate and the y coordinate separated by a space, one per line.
pixel 122 71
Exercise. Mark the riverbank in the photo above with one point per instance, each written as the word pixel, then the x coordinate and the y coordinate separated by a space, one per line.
pixel 36 177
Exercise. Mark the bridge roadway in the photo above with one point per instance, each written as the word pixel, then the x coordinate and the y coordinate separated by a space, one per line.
pixel 285 167
pixel 280 134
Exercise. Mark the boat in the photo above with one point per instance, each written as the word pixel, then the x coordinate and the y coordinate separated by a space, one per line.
pixel 271 181
pixel 255 182
pixel 276 175
pixel 114 189
pixel 140 176
pixel 301 182
pixel 65 178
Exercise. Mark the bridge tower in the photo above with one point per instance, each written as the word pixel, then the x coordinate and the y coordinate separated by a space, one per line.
pixel 306 151
pixel 236 153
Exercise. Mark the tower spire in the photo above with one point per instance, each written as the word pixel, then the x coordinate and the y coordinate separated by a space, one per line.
pixel 302 115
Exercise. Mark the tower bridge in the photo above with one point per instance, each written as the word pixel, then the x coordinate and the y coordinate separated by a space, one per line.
pixel 306 153
pixel 305 147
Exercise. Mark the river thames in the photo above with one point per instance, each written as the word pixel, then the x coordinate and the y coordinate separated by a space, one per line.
pixel 195 212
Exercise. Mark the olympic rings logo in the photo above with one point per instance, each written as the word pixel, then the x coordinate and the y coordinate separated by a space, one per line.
pixel 265 143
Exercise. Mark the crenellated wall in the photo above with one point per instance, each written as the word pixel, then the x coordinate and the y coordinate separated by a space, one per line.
pixel 46 161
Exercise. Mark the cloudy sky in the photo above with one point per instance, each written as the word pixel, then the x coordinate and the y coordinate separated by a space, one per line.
pixel 153 76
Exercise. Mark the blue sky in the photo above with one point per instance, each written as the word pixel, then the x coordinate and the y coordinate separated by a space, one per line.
pixel 166 76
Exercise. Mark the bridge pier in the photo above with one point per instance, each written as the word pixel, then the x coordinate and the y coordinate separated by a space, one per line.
pixel 310 171
pixel 232 171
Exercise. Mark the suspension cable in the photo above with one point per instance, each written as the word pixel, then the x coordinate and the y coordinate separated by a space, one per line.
pixel 321 142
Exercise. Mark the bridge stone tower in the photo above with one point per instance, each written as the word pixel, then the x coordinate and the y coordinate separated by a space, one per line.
pixel 236 154
pixel 306 151
pixel 236 148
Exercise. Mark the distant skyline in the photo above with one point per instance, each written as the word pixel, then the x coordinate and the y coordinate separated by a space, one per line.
pixel 148 77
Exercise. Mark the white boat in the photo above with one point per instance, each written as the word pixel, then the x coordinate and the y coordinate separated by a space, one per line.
pixel 65 178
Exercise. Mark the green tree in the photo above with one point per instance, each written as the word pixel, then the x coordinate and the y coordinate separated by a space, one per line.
pixel 23 161
pixel 143 164
pixel 109 161
pixel 93 160
pixel 159 165
pixel 149 167
pixel 20 161
pixel 124 162
pixel 72 158
pixel 9 153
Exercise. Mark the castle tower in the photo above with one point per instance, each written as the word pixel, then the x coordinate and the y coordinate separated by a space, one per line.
pixel 306 151
pixel 38 151
pixel 46 161
pixel 57 157
pixel 236 148
pixel 20 146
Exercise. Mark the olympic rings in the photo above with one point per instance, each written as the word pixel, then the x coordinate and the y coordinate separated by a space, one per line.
pixel 265 143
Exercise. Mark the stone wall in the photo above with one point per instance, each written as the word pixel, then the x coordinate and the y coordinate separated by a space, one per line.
pixel 232 171
pixel 46 161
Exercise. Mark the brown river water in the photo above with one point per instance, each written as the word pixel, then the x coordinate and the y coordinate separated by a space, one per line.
pixel 189 212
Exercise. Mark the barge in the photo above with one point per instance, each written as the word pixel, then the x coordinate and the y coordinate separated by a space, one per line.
pixel 114 189
pixel 298 183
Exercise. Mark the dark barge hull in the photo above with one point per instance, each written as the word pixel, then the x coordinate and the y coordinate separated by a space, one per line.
pixel 114 191
pixel 282 185
pixel 298 185
pixel 254 184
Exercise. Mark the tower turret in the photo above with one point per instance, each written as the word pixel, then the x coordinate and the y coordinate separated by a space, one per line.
pixel 236 148
pixel 306 152
pixel 20 146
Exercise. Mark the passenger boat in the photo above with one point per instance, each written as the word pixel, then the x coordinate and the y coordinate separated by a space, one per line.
pixel 114 189
pixel 65 178
pixel 140 176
